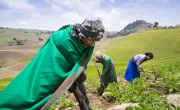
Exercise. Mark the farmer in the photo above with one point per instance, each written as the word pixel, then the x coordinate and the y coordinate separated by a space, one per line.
pixel 133 69
pixel 108 72
pixel 79 88
pixel 66 52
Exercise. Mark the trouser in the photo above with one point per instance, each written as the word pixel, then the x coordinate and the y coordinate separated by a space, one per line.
pixel 105 82
pixel 83 91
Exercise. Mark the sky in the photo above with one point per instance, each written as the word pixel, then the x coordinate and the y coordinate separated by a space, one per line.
pixel 115 14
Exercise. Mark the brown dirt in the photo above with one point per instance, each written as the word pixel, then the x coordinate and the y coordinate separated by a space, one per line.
pixel 96 101
pixel 16 53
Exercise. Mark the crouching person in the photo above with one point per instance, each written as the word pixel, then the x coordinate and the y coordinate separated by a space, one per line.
pixel 108 72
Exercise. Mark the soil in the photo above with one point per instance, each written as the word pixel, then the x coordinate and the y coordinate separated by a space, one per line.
pixel 96 101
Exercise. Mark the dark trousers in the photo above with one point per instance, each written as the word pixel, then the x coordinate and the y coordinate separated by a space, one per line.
pixel 83 91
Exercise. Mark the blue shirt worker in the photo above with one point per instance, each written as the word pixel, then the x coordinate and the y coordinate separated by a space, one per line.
pixel 134 68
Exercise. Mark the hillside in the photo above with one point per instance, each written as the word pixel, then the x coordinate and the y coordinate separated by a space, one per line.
pixel 137 26
pixel 164 43
pixel 12 37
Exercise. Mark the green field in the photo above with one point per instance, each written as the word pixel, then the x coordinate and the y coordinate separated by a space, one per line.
pixel 165 44
pixel 4 38
pixel 4 82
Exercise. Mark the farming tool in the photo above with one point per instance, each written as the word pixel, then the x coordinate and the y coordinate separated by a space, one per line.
pixel 62 89
pixel 153 71
pixel 98 72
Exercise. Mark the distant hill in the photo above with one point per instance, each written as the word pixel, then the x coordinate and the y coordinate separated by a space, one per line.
pixel 164 43
pixel 137 26
pixel 11 36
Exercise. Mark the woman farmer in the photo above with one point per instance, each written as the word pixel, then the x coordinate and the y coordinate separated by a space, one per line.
pixel 66 52
pixel 134 68
pixel 108 72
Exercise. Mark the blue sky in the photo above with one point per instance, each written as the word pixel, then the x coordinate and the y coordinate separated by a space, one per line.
pixel 115 14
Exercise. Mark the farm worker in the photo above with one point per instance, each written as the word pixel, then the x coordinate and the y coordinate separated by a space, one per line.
pixel 79 86
pixel 108 72
pixel 65 53
pixel 134 68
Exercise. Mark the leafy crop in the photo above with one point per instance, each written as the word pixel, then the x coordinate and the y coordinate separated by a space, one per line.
pixel 64 103
pixel 150 95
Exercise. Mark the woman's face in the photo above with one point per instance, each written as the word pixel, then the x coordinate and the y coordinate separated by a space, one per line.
pixel 87 42
pixel 148 58
pixel 99 60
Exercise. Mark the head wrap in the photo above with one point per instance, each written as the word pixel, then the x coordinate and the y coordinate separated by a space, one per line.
pixel 98 55
pixel 92 29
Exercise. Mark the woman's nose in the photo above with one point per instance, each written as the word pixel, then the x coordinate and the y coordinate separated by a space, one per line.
pixel 91 43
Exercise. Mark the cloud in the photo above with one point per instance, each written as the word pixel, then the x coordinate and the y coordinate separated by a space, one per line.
pixel 24 23
pixel 22 8
pixel 52 14
pixel 79 10
pixel 71 17
pixel 21 5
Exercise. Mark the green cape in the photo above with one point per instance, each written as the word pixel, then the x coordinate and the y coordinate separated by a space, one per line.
pixel 60 57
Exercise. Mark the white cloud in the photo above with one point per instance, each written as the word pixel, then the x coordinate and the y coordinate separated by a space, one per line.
pixel 53 14
pixel 72 17
pixel 24 23
pixel 6 13
pixel 22 5
pixel 80 10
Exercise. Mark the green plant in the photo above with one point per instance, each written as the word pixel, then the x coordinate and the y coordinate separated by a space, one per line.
pixel 4 82
pixel 63 103
pixel 149 95
pixel 25 59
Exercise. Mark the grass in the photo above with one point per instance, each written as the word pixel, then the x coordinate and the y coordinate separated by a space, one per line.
pixel 25 59
pixel 4 82
pixel 4 38
pixel 163 43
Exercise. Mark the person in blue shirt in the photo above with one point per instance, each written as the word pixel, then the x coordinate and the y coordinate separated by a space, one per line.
pixel 134 68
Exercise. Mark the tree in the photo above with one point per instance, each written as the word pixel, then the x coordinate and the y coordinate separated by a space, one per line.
pixel 156 25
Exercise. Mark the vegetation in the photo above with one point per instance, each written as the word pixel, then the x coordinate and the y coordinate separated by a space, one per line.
pixel 137 26
pixel 163 43
pixel 25 59
pixel 154 91
pixel 12 37
pixel 4 82
pixel 156 25
pixel 4 38
pixel 64 103
pixel 149 93
pixel 165 46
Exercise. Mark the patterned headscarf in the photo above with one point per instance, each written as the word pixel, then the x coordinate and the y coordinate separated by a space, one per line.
pixel 92 29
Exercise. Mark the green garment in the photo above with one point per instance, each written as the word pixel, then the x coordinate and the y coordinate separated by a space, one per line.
pixel 61 56
pixel 108 73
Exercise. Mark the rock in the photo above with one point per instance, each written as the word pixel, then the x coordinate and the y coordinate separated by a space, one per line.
pixel 123 106
pixel 106 94
pixel 174 100
pixel 108 97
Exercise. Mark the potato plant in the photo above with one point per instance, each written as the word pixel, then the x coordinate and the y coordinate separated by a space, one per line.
pixel 150 95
